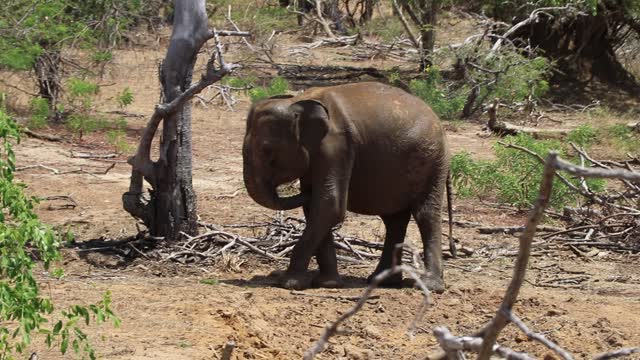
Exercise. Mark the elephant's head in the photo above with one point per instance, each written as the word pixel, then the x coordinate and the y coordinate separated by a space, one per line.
pixel 281 138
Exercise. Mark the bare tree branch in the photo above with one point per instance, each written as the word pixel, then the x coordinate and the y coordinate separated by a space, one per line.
pixel 331 329
pixel 491 331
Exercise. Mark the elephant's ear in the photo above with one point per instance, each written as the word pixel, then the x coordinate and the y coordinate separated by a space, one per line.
pixel 312 122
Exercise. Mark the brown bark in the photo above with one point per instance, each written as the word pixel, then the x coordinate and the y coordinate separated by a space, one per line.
pixel 170 210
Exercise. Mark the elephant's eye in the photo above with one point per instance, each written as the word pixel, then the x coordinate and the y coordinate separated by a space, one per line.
pixel 266 149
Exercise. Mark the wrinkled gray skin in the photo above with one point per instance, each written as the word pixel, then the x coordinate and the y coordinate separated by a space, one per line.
pixel 366 147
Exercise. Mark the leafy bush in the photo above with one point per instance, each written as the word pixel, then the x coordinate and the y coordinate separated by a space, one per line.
pixel 240 82
pixel 445 102
pixel 39 112
pixel 82 89
pixel 478 77
pixel 277 86
pixel 260 21
pixel 521 77
pixel 387 28
pixel 29 28
pixel 471 177
pixel 622 137
pixel 584 135
pixel 514 177
pixel 118 137
pixel 82 124
pixel 102 56
pixel 23 310
pixel 125 98
pixel 81 94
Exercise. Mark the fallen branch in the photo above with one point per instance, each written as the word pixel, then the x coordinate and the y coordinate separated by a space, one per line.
pixel 617 354
pixel 53 170
pixel 504 128
pixel 513 229
pixel 334 297
pixel 332 328
pixel 81 155
pixel 40 136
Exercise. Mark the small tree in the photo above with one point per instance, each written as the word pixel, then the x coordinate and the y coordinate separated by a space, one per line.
pixel 171 207
pixel 23 310
pixel 423 14
pixel 33 34
pixel 580 37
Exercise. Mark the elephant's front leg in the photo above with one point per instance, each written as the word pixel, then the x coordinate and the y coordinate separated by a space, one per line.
pixel 327 208
pixel 322 218
pixel 327 276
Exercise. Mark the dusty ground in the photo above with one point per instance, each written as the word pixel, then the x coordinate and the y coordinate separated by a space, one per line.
pixel 169 314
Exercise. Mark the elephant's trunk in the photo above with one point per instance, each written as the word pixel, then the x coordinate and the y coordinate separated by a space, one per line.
pixel 266 195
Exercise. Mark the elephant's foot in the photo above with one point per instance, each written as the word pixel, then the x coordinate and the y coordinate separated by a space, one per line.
pixel 295 280
pixel 327 281
pixel 393 281
pixel 433 282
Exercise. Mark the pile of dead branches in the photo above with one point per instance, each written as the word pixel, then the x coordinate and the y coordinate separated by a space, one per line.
pixel 609 220
pixel 271 240
pixel 606 220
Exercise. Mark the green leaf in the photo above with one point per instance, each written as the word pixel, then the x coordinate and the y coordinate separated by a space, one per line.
pixel 64 344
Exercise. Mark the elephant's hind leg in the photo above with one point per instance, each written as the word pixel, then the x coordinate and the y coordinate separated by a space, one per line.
pixel 428 218
pixel 396 230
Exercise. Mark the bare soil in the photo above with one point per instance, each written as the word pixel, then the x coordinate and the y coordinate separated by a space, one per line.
pixel 588 304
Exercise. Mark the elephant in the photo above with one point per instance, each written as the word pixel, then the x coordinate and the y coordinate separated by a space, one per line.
pixel 366 147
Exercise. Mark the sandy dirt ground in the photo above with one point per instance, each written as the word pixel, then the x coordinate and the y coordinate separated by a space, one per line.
pixel 167 313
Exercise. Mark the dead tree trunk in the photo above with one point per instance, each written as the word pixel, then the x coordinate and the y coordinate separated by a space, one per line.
pixel 423 13
pixel 175 201
pixel 47 70
pixel 427 32
pixel 171 207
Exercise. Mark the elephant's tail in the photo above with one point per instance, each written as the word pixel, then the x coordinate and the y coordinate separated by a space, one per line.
pixel 452 243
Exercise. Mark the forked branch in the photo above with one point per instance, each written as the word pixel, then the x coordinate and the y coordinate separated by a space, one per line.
pixel 484 341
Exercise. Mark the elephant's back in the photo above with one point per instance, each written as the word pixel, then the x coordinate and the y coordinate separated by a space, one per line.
pixel 398 142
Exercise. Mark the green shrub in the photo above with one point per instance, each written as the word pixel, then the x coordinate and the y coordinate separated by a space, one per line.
pixel 622 137
pixel 102 56
pixel 509 76
pixel 79 88
pixel 514 176
pixel 39 112
pixel 246 82
pixel 277 86
pixel 388 28
pixel 521 77
pixel 23 310
pixel 445 102
pixel 471 177
pixel 117 137
pixel 584 135
pixel 82 124
pixel 125 98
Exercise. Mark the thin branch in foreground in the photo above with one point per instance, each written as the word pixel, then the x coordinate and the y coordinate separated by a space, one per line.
pixel 617 353
pixel 500 320
pixel 331 329
pixel 471 343
pixel 539 337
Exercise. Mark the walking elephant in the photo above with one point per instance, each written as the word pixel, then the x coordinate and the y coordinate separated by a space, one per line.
pixel 365 147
